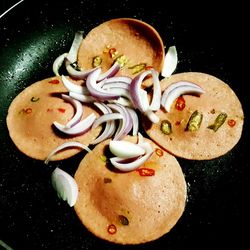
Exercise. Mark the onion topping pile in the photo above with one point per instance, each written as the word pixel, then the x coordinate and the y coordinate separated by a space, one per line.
pixel 119 100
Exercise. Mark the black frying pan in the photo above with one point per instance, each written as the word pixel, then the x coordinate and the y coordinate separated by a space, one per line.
pixel 32 35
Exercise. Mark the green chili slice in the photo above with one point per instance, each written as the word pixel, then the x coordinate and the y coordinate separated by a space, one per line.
pixel 97 60
pixel 122 60
pixel 166 127
pixel 34 99
pixel 138 68
pixel 123 220
pixel 194 122
pixel 220 119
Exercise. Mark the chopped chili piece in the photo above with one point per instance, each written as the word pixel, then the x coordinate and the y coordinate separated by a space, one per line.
pixel 146 171
pixel 97 60
pixel 177 123
pixel 166 127
pixel 107 180
pixel 220 119
pixel 35 99
pixel 212 111
pixel 180 103
pixel 194 122
pixel 159 152
pixel 61 110
pixel 122 60
pixel 113 52
pixel 123 220
pixel 112 229
pixel 55 81
pixel 103 158
pixel 231 122
pixel 27 110
pixel 137 68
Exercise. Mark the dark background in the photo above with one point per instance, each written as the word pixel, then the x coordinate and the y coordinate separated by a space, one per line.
pixel 209 38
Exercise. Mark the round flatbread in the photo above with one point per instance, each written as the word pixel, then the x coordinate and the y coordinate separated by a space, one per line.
pixel 137 41
pixel 128 208
pixel 32 113
pixel 204 143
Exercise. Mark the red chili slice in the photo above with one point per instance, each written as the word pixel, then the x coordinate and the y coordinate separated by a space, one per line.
pixel 55 81
pixel 146 171
pixel 180 103
pixel 61 110
pixel 231 122
pixel 112 229
pixel 159 152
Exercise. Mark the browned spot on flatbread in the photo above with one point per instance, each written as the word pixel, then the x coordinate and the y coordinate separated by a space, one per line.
pixel 30 122
pixel 148 206
pixel 137 40
pixel 205 143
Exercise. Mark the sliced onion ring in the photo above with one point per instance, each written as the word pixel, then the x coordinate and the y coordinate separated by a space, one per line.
pixel 80 128
pixel 82 97
pixel 77 74
pixel 125 166
pixel 95 90
pixel 177 89
pixel 72 55
pixel 125 125
pixel 170 62
pixel 125 149
pixel 110 72
pixel 66 145
pixel 109 127
pixel 72 87
pixel 58 63
pixel 65 186
pixel 106 118
pixel 78 113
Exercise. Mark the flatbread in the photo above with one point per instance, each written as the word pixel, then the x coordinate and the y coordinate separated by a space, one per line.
pixel 129 38
pixel 149 205
pixel 204 143
pixel 30 122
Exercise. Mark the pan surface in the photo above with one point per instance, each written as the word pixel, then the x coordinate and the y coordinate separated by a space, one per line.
pixel 208 40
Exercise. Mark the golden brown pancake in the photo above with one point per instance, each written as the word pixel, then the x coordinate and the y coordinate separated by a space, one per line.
pixel 30 117
pixel 136 40
pixel 128 208
pixel 204 143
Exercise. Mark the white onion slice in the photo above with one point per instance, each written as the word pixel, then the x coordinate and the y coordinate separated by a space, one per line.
pixel 138 95
pixel 117 80
pixel 82 97
pixel 58 63
pixel 77 74
pixel 152 116
pixel 72 55
pixel 79 110
pixel 135 121
pixel 95 90
pixel 109 126
pixel 125 125
pixel 72 87
pixel 156 99
pixel 177 89
pixel 66 145
pixel 125 149
pixel 125 166
pixel 80 128
pixel 110 72
pixel 65 186
pixel 106 118
pixel 135 91
pixel 170 62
